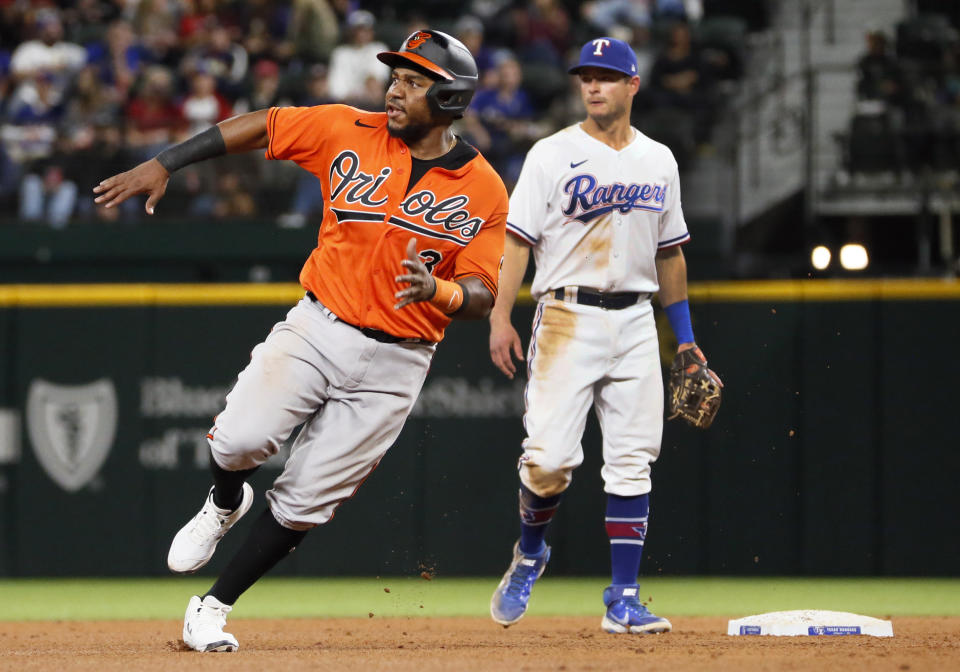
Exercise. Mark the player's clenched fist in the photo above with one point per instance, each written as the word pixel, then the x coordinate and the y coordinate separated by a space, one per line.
pixel 148 178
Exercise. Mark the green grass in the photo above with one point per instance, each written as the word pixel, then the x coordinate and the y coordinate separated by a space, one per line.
pixel 93 599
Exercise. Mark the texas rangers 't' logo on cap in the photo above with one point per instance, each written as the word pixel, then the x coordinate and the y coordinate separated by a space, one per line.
pixel 609 53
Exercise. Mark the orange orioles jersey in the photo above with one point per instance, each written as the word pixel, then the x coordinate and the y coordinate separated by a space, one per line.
pixel 457 216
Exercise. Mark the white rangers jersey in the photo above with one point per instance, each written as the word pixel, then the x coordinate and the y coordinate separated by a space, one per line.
pixel 596 216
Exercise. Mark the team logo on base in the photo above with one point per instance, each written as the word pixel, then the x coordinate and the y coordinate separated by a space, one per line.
pixel 72 428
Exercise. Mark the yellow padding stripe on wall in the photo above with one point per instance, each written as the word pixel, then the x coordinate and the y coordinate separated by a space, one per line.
pixel 150 294
pixel 825 290
pixel 245 294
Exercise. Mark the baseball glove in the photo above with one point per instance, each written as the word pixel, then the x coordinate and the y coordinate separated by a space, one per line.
pixel 694 389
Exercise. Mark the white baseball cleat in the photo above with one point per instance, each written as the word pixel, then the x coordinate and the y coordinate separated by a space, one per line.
pixel 196 541
pixel 203 625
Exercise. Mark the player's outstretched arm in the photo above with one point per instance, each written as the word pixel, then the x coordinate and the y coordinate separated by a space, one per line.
pixel 238 134
pixel 504 339
pixel 467 299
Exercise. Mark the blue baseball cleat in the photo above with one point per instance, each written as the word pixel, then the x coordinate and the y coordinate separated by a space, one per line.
pixel 625 613
pixel 509 602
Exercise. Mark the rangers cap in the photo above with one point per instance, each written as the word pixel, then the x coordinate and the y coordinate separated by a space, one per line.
pixel 609 53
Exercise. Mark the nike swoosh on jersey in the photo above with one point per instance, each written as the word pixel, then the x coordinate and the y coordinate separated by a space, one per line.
pixel 574 165
pixel 360 123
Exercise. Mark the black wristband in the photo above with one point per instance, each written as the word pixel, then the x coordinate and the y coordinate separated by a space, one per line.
pixel 202 146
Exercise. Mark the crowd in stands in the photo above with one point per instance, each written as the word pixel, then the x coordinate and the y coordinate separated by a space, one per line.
pixel 91 87
pixel 907 118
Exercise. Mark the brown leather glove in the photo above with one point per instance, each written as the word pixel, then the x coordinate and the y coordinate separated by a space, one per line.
pixel 694 390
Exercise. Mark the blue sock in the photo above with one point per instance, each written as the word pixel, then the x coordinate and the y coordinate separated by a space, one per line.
pixel 535 515
pixel 627 528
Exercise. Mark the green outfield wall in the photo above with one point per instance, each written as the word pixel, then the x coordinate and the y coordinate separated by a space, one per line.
pixel 835 451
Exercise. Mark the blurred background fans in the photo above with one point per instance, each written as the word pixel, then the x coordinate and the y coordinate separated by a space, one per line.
pixel 800 126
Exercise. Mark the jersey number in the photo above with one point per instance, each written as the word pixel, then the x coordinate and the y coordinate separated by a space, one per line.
pixel 430 259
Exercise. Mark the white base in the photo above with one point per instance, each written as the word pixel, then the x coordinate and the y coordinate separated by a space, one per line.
pixel 810 622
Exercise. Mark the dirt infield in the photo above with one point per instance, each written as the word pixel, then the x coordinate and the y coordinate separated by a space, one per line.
pixel 424 644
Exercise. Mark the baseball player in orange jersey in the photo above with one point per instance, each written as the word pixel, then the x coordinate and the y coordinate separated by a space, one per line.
pixel 412 237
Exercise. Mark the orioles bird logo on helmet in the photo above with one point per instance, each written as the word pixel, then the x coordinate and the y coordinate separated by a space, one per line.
pixel 418 39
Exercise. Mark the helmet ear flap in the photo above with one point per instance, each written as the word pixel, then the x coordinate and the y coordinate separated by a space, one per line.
pixel 449 99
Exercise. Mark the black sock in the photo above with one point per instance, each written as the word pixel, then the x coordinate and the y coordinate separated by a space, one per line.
pixel 268 543
pixel 228 485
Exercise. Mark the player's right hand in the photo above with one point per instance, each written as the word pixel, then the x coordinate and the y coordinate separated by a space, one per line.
pixel 504 342
pixel 148 178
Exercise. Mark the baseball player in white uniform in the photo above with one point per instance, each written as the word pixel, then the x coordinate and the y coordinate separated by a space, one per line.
pixel 599 203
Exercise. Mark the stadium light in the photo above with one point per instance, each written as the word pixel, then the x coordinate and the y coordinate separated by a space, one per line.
pixel 853 257
pixel 820 257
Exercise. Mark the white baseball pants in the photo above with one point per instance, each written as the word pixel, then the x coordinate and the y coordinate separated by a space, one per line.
pixel 581 356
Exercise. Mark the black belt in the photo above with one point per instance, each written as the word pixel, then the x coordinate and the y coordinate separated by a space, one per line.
pixel 375 334
pixel 607 300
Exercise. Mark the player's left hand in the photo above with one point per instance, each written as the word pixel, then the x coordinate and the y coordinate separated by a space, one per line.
pixel 422 284
pixel 699 353
pixel 147 178
pixel 694 390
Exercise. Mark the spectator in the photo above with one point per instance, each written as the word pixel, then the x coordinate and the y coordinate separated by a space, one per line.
pixel 123 58
pixel 9 178
pixel 89 101
pixel 6 83
pixel 950 89
pixel 266 27
pixel 500 119
pixel 356 76
pixel 316 87
pixel 149 16
pixel 48 53
pixel 153 118
pixel 541 32
pixel 221 57
pixel 313 29
pixel 87 21
pixel 680 10
pixel 198 17
pixel 204 106
pixel 879 76
pixel 9 169
pixel 605 15
pixel 264 90
pixel 642 42
pixel 48 196
pixel 677 80
pixel 231 198
pixel 568 108
pixel 97 150
pixel 469 30
pixel 155 23
pixel 30 138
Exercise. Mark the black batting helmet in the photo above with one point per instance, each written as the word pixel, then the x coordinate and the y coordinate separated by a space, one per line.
pixel 445 59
